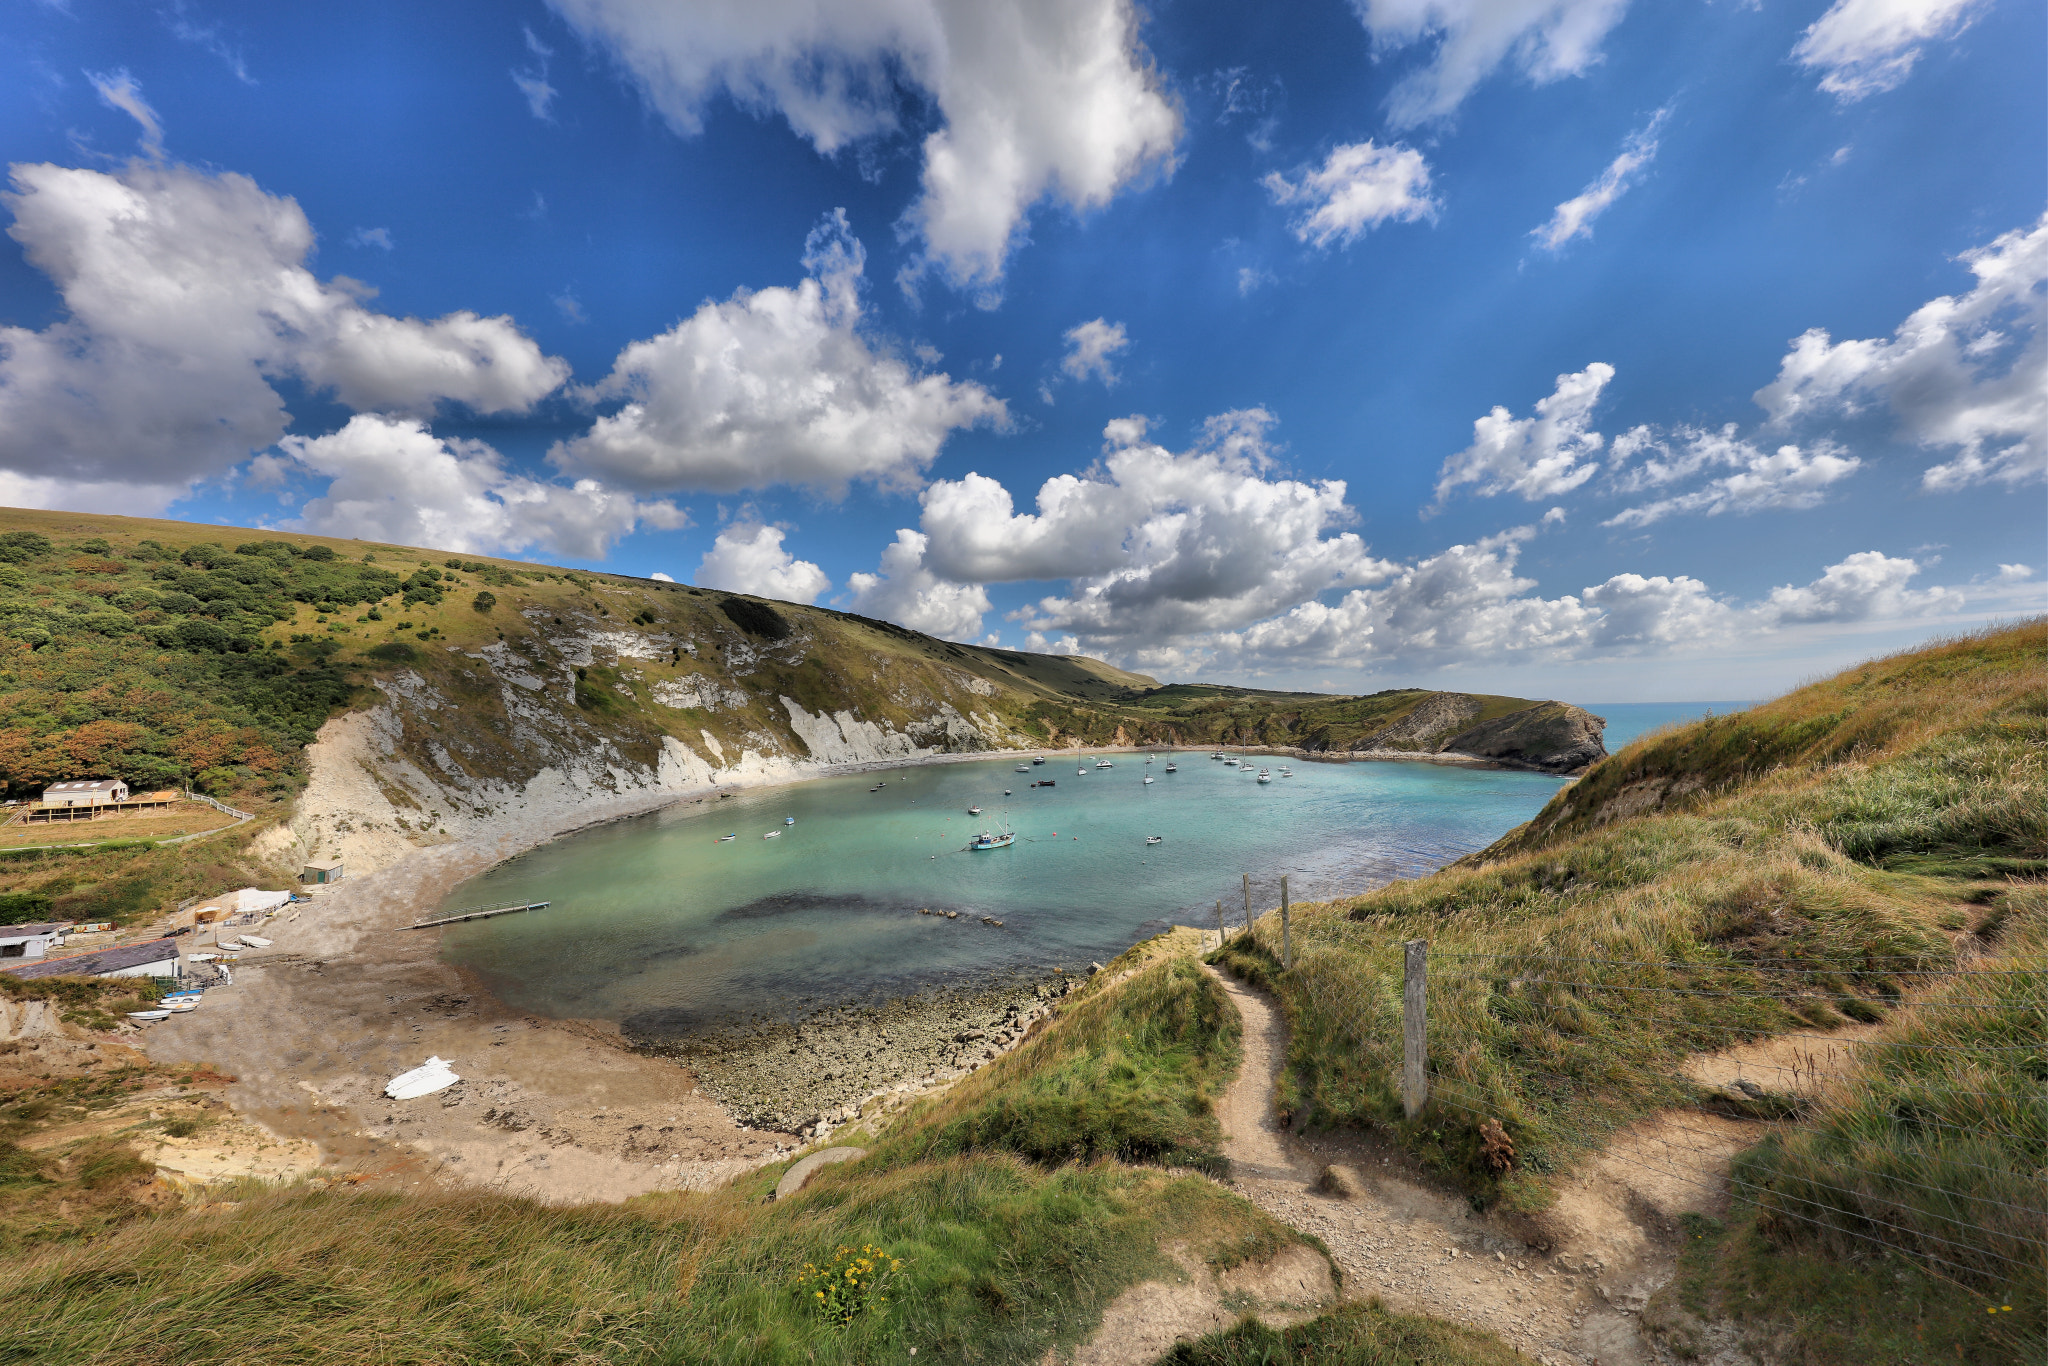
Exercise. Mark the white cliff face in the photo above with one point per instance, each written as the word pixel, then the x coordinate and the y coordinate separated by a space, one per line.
pixel 700 692
pixel 404 774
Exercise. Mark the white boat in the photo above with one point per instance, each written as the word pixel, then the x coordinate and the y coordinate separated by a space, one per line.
pixel 974 811
pixel 772 835
pixel 228 945
pixel 1149 779
pixel 1287 773
pixel 724 838
pixel 1230 763
pixel 1173 768
pixel 1104 763
pixel 1264 776
pixel 1038 758
pixel 1083 772
pixel 201 957
pixel 147 1015
pixel 1217 755
pixel 1023 768
pixel 431 1076
pixel 181 1007
pixel 1155 839
pixel 255 942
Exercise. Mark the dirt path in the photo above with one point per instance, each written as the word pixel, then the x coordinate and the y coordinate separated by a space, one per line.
pixel 1400 1239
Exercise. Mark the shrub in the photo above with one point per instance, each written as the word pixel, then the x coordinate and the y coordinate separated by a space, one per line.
pixel 484 601
pixel 756 618
pixel 318 552
pixel 18 547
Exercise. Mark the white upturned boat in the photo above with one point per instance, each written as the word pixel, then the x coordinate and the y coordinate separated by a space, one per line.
pixel 228 945
pixel 255 941
pixel 431 1076
pixel 148 1015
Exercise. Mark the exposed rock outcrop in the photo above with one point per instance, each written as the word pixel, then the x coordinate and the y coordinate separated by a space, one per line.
pixel 1553 736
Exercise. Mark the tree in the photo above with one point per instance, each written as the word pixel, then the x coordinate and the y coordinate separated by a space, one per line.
pixel 484 601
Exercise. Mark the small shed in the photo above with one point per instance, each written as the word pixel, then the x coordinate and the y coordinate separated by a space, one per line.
pixel 155 958
pixel 96 792
pixel 322 871
pixel 29 941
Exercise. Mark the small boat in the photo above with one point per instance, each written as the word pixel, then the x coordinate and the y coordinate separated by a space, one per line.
pixel 148 1015
pixel 786 820
pixel 1217 755
pixel 182 1007
pixel 1104 763
pixel 772 835
pixel 1082 771
pixel 1264 776
pixel 1001 839
pixel 1173 768
pixel 1230 763
pixel 201 957
pixel 228 945
pixel 1045 782
pixel 1006 792
pixel 876 788
pixel 1155 839
pixel 974 811
pixel 186 995
pixel 1038 758
pixel 1149 780
pixel 431 1076
pixel 727 839
pixel 1286 772
pixel 1023 768
pixel 253 941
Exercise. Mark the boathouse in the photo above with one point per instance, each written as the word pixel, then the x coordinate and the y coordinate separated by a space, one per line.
pixel 29 941
pixel 321 871
pixel 97 792
pixel 156 958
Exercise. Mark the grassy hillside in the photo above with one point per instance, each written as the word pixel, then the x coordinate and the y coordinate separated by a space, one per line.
pixel 987 1226
pixel 1821 861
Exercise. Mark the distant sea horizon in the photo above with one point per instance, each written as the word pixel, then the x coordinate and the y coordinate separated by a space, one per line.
pixel 1627 720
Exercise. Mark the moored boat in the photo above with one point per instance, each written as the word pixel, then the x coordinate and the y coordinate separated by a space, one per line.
pixel 1149 780
pixel 1155 839
pixel 974 811
pixel 772 835
pixel 1264 776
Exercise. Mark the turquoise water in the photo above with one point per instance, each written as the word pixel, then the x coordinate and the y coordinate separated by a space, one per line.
pixel 656 925
pixel 1627 720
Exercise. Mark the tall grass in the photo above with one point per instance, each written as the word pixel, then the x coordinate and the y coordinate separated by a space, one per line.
pixel 1801 867
pixel 1012 1227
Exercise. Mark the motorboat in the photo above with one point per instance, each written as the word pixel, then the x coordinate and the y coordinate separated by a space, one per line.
pixel 1023 768
pixel 1230 763
pixel 146 1016
pixel 1286 772
pixel 786 820
pixel 1149 780
pixel 1217 755
pixel 974 811
pixel 431 1076
pixel 727 839
pixel 1155 839
pixel 1038 758
pixel 1173 768
pixel 1264 776
pixel 1104 763
pixel 182 1007
pixel 772 835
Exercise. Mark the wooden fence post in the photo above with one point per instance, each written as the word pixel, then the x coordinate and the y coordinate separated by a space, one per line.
pixel 1414 1027
pixel 1286 935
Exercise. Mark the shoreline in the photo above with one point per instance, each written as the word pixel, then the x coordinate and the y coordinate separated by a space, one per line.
pixel 566 1110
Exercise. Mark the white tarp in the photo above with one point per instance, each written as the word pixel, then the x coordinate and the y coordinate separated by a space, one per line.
pixel 431 1076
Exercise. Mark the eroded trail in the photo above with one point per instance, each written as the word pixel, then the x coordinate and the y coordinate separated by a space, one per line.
pixel 1424 1251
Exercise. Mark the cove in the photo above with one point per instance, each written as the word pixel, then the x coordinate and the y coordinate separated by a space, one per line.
pixel 656 925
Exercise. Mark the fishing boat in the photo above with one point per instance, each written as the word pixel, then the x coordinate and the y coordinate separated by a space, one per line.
pixel 1264 776
pixel 431 1076
pixel 1155 839
pixel 255 941
pixel 772 835
pixel 974 811
pixel 999 839
pixel 727 839
pixel 146 1016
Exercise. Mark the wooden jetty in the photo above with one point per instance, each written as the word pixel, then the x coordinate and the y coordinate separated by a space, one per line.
pixel 480 913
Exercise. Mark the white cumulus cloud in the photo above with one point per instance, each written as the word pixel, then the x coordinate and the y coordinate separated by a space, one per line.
pixel 1037 99
pixel 1574 217
pixel 1787 477
pixel 1864 586
pixel 1865 47
pixel 1963 372
pixel 1090 348
pixel 393 480
pixel 185 295
pixel 1359 186
pixel 775 386
pixel 902 590
pixel 1550 453
pixel 751 559
pixel 1544 40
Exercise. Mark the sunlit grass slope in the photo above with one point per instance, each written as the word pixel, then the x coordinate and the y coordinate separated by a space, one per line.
pixel 999 1227
pixel 1818 861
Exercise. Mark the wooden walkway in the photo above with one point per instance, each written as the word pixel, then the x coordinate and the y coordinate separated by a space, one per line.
pixel 480 913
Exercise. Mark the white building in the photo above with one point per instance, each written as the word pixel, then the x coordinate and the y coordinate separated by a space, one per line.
pixel 157 958
pixel 28 941
pixel 98 792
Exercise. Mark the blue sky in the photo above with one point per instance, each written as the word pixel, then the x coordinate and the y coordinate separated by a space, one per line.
pixel 1610 350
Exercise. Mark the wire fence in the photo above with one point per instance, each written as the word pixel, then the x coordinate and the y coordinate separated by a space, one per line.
pixel 1887 1104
